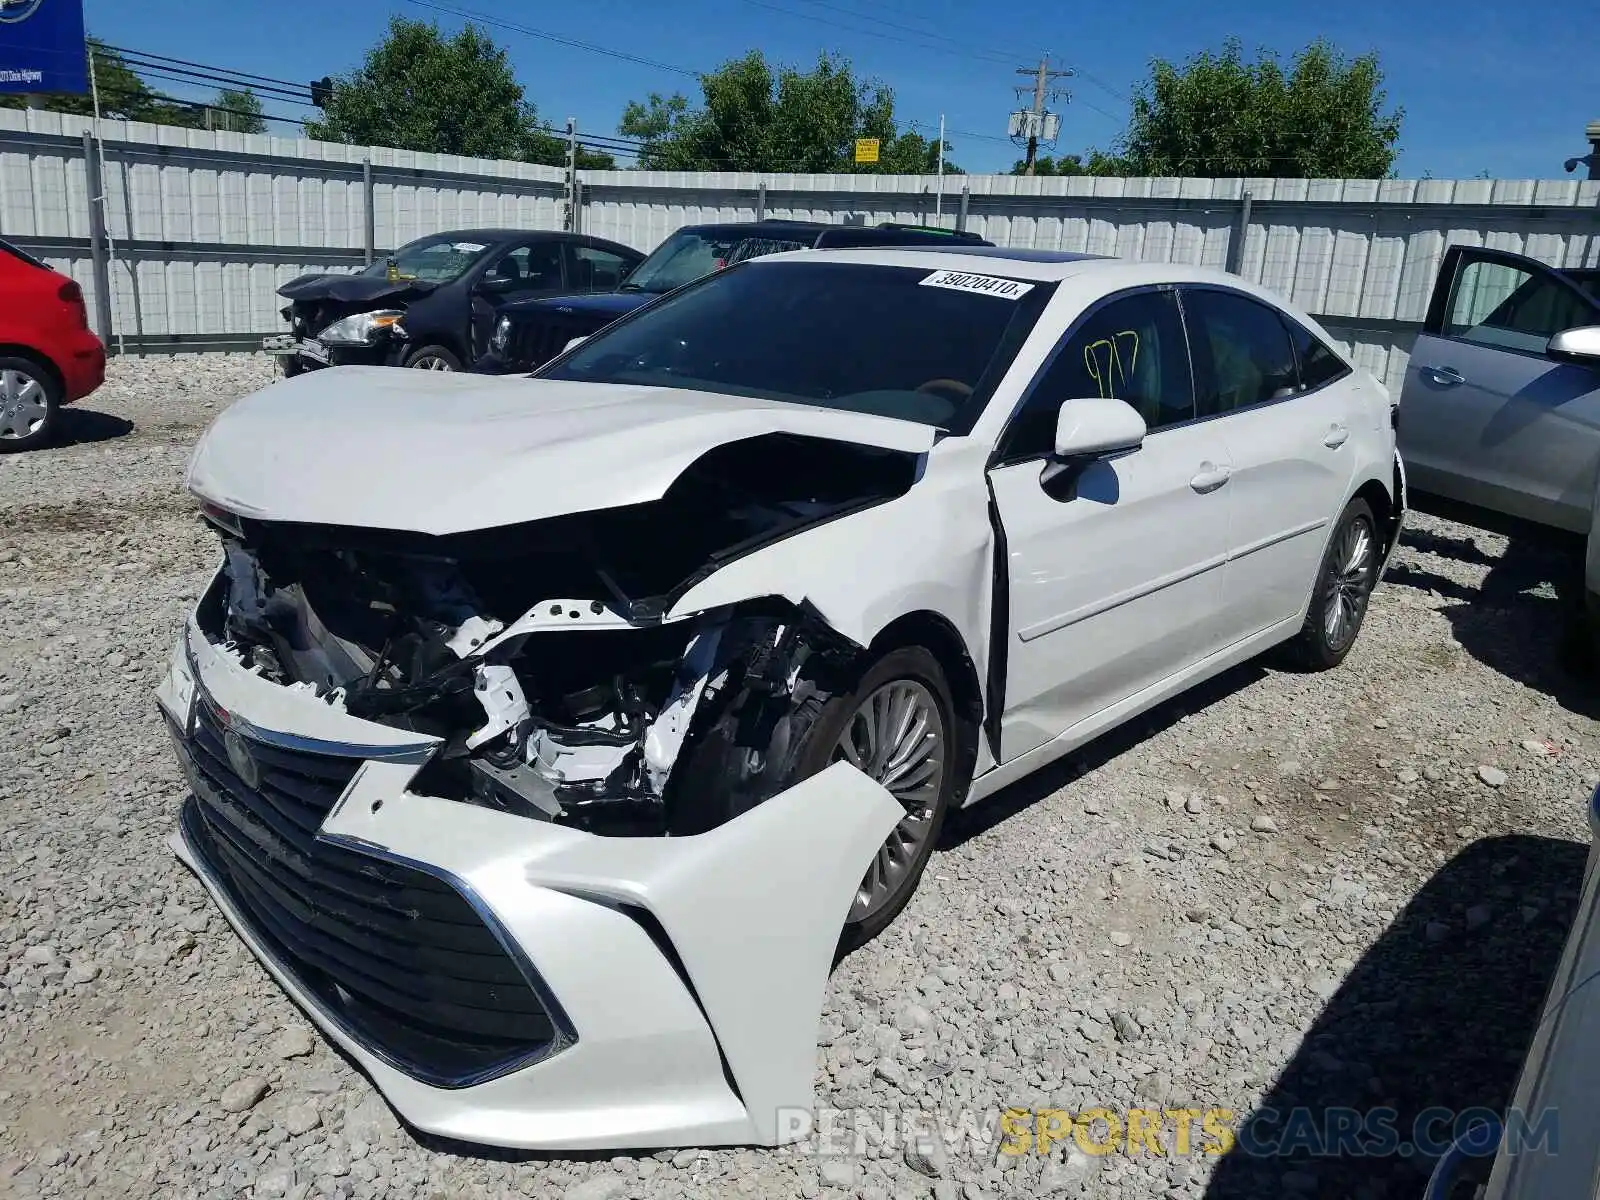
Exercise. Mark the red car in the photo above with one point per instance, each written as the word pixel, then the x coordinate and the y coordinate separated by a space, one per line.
pixel 48 356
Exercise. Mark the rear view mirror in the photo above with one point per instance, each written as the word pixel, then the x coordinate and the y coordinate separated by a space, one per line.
pixel 1095 426
pixel 1580 345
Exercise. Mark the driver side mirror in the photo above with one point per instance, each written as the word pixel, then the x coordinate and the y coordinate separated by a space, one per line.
pixel 1095 426
pixel 1580 345
pixel 495 283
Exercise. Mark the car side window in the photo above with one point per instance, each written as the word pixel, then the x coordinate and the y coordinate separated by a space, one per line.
pixel 1317 361
pixel 1130 349
pixel 1242 352
pixel 1497 304
pixel 597 270
pixel 532 268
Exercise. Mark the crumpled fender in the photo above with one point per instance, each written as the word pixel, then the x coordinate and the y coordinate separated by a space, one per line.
pixel 753 908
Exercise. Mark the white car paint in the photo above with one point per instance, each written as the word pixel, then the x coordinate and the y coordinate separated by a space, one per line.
pixel 1170 563
pixel 646 1069
pixel 322 447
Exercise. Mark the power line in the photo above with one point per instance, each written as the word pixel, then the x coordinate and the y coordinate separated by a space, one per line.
pixel 185 75
pixel 183 62
pixel 937 49
pixel 966 47
pixel 545 35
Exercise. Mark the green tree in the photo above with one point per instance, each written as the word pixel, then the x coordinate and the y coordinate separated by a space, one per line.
pixel 1100 163
pixel 1222 117
pixel 237 110
pixel 420 90
pixel 757 117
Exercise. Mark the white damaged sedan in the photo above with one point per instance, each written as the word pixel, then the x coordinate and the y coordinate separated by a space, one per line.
pixel 548 736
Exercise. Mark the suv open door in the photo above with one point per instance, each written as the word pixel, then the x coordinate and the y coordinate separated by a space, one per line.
pixel 1489 415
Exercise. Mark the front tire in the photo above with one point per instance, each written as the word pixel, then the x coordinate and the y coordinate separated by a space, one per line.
pixel 897 726
pixel 1344 585
pixel 30 404
pixel 432 358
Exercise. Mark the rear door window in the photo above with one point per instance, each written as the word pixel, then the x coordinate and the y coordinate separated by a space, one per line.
pixel 1242 352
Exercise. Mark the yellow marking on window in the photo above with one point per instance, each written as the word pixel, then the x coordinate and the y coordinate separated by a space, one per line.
pixel 1110 375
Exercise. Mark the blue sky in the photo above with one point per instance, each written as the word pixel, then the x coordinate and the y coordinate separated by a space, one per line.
pixel 1486 86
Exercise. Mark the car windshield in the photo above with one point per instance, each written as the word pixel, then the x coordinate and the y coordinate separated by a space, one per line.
pixel 686 256
pixel 907 342
pixel 435 259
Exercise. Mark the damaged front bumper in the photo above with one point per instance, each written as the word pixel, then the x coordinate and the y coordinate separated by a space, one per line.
pixel 507 980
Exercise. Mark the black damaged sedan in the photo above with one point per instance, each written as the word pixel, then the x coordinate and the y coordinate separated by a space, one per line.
pixel 433 303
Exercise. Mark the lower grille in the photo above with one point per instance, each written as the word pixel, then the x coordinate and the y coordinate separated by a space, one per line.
pixel 398 958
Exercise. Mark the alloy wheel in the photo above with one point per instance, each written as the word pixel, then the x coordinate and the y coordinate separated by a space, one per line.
pixel 431 362
pixel 23 405
pixel 1347 598
pixel 896 737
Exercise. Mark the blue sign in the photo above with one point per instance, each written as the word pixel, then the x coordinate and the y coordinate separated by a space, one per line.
pixel 41 46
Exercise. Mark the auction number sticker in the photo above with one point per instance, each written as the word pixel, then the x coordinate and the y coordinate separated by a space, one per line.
pixel 984 285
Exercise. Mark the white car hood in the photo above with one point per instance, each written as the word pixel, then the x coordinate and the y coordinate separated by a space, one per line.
pixel 441 453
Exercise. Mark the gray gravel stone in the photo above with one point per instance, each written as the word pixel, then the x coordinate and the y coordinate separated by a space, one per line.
pixel 243 1094
pixel 971 1000
pixel 301 1118
pixel 597 1187
pixel 1493 776
pixel 294 1042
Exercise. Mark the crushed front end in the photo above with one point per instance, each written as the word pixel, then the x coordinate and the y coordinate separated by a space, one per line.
pixel 544 866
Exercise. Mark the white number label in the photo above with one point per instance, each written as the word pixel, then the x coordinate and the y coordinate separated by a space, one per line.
pixel 984 285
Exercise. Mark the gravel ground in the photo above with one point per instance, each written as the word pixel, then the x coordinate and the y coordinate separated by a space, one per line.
pixel 1345 889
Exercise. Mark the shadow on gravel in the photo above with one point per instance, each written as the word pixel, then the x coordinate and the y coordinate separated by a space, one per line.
pixel 1526 620
pixel 78 426
pixel 1420 1022
pixel 968 823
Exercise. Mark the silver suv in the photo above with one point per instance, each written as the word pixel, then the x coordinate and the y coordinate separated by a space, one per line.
pixel 1501 405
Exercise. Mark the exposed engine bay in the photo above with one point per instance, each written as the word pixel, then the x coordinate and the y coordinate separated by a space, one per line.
pixel 541 654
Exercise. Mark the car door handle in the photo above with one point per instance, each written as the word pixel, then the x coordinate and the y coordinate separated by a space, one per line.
pixel 1336 436
pixel 1447 376
pixel 1210 478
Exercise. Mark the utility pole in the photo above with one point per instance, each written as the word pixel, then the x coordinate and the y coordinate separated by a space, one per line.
pixel 1035 124
pixel 571 222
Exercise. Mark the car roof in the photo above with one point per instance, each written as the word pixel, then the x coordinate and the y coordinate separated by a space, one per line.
pixel 771 225
pixel 1020 263
pixel 501 235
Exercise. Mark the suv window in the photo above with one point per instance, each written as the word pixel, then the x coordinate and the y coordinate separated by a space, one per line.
pixel 1131 349
pixel 597 270
pixel 689 254
pixel 1496 304
pixel 1242 352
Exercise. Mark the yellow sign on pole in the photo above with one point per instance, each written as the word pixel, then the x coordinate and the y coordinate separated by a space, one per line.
pixel 866 150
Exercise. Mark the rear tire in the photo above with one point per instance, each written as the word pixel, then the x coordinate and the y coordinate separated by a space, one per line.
pixel 1344 585
pixel 432 358
pixel 30 404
